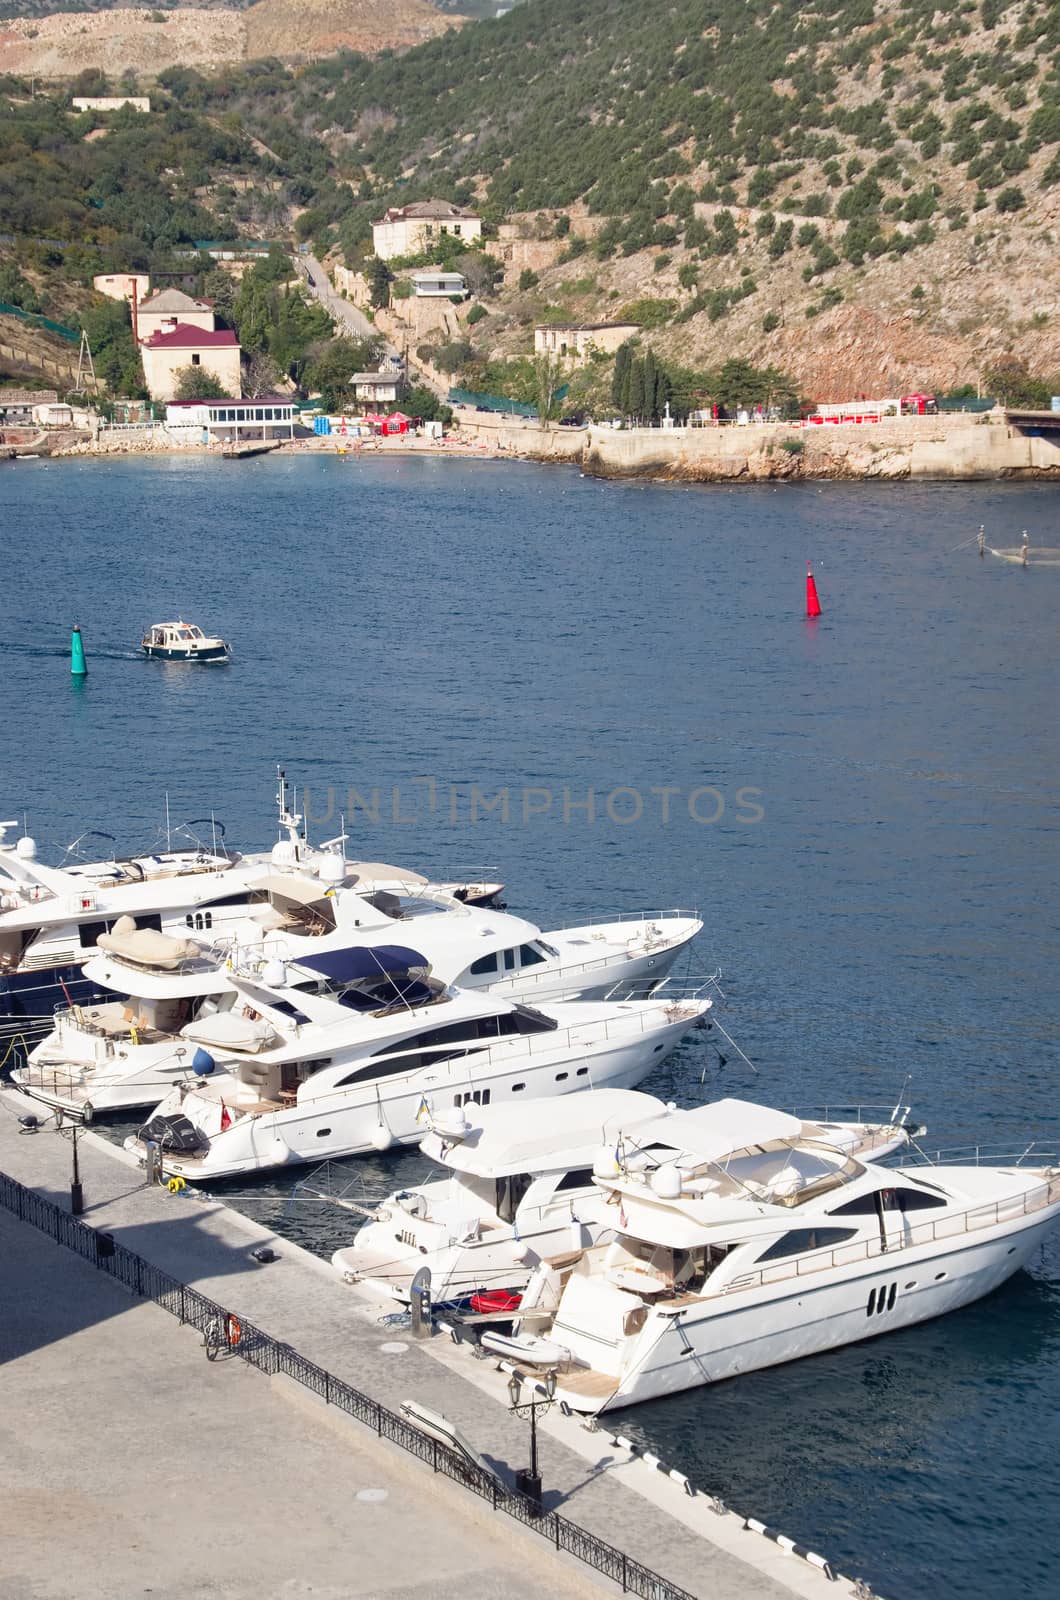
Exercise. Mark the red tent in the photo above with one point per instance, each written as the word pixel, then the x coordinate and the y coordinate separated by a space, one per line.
pixel 397 422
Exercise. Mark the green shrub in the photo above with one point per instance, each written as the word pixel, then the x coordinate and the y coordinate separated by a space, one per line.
pixel 794 447
pixel 770 321
pixel 476 314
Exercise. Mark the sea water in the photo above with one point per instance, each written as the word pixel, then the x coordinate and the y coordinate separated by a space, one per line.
pixel 608 695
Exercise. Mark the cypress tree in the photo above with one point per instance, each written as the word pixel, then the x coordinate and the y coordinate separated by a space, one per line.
pixel 637 405
pixel 651 378
pixel 620 376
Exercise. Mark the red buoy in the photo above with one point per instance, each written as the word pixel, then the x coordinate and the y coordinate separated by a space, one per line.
pixel 813 605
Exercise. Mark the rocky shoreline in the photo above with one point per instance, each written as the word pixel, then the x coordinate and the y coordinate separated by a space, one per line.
pixel 958 449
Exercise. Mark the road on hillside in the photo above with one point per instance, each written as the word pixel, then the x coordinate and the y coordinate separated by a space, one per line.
pixel 347 316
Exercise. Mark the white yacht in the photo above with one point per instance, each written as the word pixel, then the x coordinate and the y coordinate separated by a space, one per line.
pixel 51 918
pixel 357 1058
pixel 117 1050
pixel 758 1244
pixel 519 1188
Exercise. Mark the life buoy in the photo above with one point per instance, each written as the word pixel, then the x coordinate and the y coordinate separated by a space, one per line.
pixel 233 1329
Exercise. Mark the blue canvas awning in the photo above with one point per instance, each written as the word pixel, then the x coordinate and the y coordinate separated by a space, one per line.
pixel 365 961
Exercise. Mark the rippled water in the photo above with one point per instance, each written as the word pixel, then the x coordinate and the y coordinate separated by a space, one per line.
pixel 891 915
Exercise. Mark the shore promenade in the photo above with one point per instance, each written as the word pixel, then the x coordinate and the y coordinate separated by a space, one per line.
pixel 93 1376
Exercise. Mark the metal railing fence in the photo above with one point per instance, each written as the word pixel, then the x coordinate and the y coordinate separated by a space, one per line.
pixel 271 1356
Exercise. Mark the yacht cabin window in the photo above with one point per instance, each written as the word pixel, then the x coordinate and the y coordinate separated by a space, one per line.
pixel 578 1178
pixel 484 964
pixel 800 1240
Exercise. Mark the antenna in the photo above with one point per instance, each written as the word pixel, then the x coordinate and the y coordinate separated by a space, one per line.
pixel 169 842
pixel 85 364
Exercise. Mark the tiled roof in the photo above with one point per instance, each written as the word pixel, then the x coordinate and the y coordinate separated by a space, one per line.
pixel 430 211
pixel 185 337
pixel 170 300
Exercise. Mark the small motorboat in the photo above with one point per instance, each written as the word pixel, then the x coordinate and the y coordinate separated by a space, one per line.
pixel 182 641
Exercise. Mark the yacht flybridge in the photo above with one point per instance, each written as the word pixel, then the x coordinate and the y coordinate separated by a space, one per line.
pixel 519 1189
pixel 360 1053
pixel 757 1242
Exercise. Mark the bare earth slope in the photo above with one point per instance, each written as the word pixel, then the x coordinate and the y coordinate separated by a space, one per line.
pixel 65 44
pixel 297 29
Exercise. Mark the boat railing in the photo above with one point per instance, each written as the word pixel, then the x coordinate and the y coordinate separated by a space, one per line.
pixel 627 916
pixel 889 1115
pixel 954 1225
pixel 674 990
pixel 977 1155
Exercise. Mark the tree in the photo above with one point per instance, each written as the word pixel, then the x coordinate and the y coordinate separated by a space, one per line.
pixel 199 383
pixel 380 278
pixel 1011 381
pixel 620 376
pixel 330 366
pixel 261 376
pixel 547 374
pixel 528 279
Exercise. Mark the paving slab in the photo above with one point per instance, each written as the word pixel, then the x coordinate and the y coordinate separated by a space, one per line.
pixel 300 1300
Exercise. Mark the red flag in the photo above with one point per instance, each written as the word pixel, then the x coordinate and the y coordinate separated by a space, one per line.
pixel 226 1120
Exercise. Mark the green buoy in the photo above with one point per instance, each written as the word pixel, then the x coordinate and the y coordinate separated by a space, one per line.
pixel 78 664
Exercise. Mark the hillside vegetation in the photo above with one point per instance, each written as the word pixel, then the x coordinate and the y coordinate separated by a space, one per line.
pixel 861 194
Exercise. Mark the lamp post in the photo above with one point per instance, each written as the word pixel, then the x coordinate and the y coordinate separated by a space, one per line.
pixel 529 1482
pixel 77 1194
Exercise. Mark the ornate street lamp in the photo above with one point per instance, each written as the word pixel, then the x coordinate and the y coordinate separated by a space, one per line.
pixel 529 1482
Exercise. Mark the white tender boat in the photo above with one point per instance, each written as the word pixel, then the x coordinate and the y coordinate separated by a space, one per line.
pixel 182 641
pixel 763 1245
pixel 520 1190
pixel 363 1056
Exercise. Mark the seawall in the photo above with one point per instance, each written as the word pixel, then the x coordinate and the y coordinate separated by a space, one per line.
pixel 962 448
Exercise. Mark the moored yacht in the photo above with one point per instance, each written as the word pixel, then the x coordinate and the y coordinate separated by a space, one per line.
pixel 520 1186
pixel 127 1043
pixel 51 918
pixel 761 1245
pixel 367 1050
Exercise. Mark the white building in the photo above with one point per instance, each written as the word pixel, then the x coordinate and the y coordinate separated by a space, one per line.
pixel 131 286
pixel 576 343
pixel 412 230
pixel 428 284
pixel 166 354
pixel 139 102
pixel 376 388
pixel 164 310
pixel 270 417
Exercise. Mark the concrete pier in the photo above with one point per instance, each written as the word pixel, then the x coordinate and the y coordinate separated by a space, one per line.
pixel 298 1299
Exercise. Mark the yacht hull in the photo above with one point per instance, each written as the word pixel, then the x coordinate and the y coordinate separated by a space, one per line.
pixel 717 1339
pixel 342 1124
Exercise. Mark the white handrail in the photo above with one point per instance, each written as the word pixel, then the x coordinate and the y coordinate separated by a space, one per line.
pixel 953 1225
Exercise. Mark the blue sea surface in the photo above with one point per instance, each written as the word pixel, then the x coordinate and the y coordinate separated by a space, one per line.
pixel 862 808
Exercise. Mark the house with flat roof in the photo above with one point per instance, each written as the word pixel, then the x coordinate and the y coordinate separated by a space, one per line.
pixel 427 284
pixel 131 286
pixel 166 354
pixel 111 102
pixel 270 416
pixel 576 342
pixel 413 229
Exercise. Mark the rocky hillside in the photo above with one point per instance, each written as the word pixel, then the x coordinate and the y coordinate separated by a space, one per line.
pixel 146 42
pixel 864 192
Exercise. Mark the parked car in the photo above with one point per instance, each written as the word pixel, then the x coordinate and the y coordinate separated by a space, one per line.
pixel 577 419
